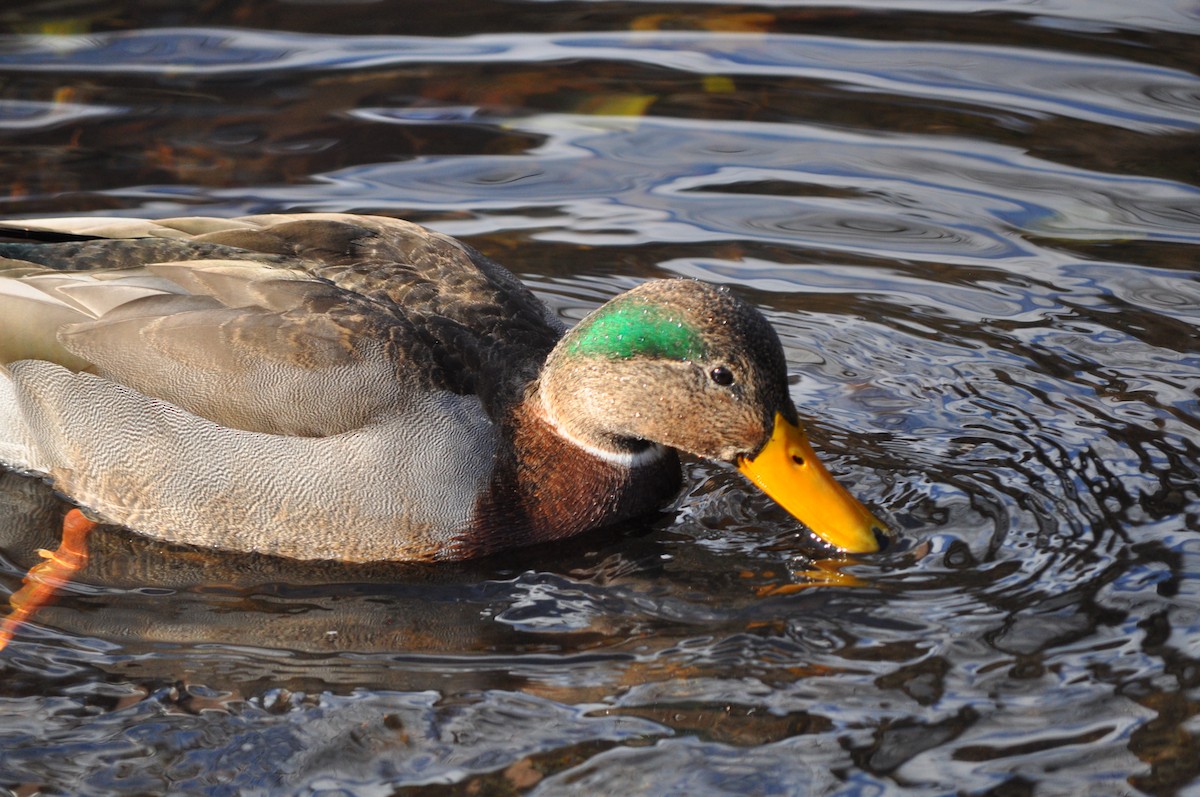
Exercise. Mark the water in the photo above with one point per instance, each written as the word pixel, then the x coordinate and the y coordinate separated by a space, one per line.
pixel 975 226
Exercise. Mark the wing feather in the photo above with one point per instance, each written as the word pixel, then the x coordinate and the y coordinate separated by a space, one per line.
pixel 285 324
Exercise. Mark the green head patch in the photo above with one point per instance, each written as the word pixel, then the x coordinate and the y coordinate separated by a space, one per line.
pixel 622 330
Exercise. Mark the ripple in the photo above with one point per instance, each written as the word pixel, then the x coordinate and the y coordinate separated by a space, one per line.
pixel 963 303
pixel 26 115
pixel 688 766
pixel 921 198
pixel 1103 90
pixel 198 740
pixel 990 316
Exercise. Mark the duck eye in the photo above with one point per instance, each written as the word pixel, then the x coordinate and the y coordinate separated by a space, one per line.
pixel 721 375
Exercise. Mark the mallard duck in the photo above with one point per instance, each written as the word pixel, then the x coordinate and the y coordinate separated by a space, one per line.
pixel 359 388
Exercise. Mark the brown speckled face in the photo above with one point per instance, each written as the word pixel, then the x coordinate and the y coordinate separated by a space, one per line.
pixel 676 362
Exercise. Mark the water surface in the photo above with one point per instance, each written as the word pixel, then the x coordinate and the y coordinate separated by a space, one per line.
pixel 975 226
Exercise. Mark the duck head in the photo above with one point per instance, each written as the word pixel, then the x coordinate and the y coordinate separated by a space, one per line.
pixel 685 364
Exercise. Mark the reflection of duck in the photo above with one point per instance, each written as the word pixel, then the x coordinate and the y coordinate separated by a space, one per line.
pixel 146 612
pixel 361 388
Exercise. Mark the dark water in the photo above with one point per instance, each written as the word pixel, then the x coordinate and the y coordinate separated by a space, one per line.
pixel 975 225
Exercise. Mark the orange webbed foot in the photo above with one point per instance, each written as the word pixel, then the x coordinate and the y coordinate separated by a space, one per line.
pixel 822 573
pixel 43 581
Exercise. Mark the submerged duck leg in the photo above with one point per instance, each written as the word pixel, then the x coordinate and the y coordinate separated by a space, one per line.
pixel 43 581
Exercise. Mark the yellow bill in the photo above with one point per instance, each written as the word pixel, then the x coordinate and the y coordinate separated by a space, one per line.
pixel 787 469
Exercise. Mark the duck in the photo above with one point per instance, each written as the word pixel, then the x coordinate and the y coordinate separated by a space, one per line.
pixel 361 388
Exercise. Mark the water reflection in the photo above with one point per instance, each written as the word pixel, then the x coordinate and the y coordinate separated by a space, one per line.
pixel 1030 82
pixel 936 200
pixel 975 233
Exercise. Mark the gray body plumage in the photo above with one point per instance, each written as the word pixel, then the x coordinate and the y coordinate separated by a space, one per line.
pixel 212 372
